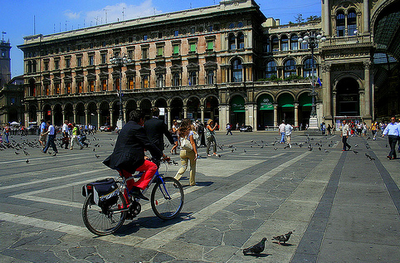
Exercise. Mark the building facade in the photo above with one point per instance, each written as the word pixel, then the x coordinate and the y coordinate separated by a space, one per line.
pixel 226 62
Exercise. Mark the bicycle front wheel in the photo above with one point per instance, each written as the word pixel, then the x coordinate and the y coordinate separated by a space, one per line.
pixel 104 220
pixel 167 198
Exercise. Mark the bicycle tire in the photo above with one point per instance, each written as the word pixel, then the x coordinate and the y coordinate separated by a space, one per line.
pixel 167 202
pixel 100 223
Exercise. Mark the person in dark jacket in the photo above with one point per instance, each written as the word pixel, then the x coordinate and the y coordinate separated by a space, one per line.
pixel 156 128
pixel 128 155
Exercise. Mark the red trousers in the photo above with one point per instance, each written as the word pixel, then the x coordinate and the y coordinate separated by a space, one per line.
pixel 149 169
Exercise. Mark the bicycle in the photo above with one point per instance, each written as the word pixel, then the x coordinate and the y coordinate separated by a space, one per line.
pixel 107 217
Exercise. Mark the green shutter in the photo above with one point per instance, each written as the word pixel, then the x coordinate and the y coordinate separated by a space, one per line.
pixel 159 51
pixel 210 45
pixel 176 49
pixel 192 47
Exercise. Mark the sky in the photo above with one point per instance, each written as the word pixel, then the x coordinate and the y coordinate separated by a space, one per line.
pixel 20 18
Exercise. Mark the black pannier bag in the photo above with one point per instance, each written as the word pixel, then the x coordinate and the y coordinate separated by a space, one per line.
pixel 105 192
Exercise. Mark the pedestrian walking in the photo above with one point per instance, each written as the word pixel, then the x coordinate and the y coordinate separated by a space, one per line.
pixel 392 130
pixel 345 135
pixel 51 133
pixel 74 136
pixel 7 133
pixel 65 139
pixel 282 131
pixel 43 130
pixel 188 151
pixel 228 129
pixel 174 131
pixel 210 137
pixel 288 134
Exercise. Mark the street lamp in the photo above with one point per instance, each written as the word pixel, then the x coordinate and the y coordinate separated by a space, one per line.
pixel 120 61
pixel 312 39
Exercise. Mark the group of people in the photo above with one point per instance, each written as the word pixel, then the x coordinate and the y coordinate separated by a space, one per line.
pixel 72 135
pixel 138 135
pixel 391 130
pixel 285 130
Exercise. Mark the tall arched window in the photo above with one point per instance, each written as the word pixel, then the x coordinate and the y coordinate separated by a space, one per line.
pixel 340 24
pixel 232 42
pixel 289 68
pixel 275 43
pixel 210 77
pixel 307 68
pixel 284 43
pixel 270 69
pixel 237 74
pixel 160 80
pixel 294 44
pixel 192 78
pixel 240 41
pixel 351 23
pixel 145 82
pixel 176 79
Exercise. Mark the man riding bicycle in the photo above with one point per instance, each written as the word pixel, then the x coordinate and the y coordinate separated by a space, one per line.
pixel 128 155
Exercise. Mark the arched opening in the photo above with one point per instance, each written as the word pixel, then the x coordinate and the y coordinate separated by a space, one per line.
pixel 284 43
pixel 294 42
pixel 340 24
pixel 240 40
pixel 270 70
pixel 69 112
pixel 211 110
pixel 47 112
pixel 33 113
pixel 286 108
pixel 176 109
pixel 232 42
pixel 305 105
pixel 58 117
pixel 80 114
pixel 238 110
pixel 352 23
pixel 289 68
pixel 104 114
pixel 130 106
pixel 347 98
pixel 265 111
pixel 193 108
pixel 145 107
pixel 92 114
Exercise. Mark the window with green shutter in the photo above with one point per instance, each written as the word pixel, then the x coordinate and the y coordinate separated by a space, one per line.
pixel 176 49
pixel 160 51
pixel 193 47
pixel 210 45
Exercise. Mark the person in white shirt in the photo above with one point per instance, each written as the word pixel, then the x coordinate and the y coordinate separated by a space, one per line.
pixel 64 130
pixel 282 131
pixel 288 133
pixel 392 130
pixel 51 132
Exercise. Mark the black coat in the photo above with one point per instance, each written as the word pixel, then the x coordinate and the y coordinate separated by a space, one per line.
pixel 155 129
pixel 128 153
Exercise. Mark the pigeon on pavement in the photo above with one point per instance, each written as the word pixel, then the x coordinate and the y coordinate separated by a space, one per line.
pixel 255 249
pixel 283 238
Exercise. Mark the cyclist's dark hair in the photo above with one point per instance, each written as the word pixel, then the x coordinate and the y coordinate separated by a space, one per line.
pixel 155 111
pixel 136 115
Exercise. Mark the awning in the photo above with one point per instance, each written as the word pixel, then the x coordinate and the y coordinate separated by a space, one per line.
pixel 237 104
pixel 265 102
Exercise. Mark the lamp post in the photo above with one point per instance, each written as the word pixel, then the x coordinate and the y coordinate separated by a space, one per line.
pixel 312 39
pixel 120 61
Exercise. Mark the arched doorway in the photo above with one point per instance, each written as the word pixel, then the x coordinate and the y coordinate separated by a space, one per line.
pixel 176 109
pixel 237 110
pixel 115 110
pixel 193 108
pixel 47 112
pixel 347 98
pixel 130 106
pixel 265 111
pixel 80 114
pixel 286 108
pixel 104 114
pixel 305 105
pixel 69 112
pixel 33 113
pixel 58 117
pixel 145 107
pixel 92 114
pixel 211 110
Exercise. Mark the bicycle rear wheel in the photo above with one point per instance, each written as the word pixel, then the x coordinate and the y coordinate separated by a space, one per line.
pixel 167 198
pixel 106 220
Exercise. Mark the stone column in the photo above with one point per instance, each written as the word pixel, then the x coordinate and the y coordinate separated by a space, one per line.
pixel 184 112
pixel 202 113
pixel 296 114
pixel 275 114
pixel 98 119
pixel 74 112
pixel 168 109
pixel 86 117
pixel 327 91
pixel 367 89
pixel 366 16
pixel 52 114
pixel 326 17
pixel 255 115
pixel 111 117
pixel 222 117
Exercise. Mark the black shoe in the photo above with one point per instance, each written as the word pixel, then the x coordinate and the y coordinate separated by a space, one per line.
pixel 135 192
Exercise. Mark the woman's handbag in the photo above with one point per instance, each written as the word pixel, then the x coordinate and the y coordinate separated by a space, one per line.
pixel 185 144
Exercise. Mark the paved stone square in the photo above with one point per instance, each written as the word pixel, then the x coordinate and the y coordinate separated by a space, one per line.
pixel 342 206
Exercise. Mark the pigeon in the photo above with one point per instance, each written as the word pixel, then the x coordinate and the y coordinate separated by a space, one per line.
pixel 283 238
pixel 355 152
pixel 27 160
pixel 219 155
pixel 370 157
pixel 255 249
pixel 97 156
pixel 16 153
